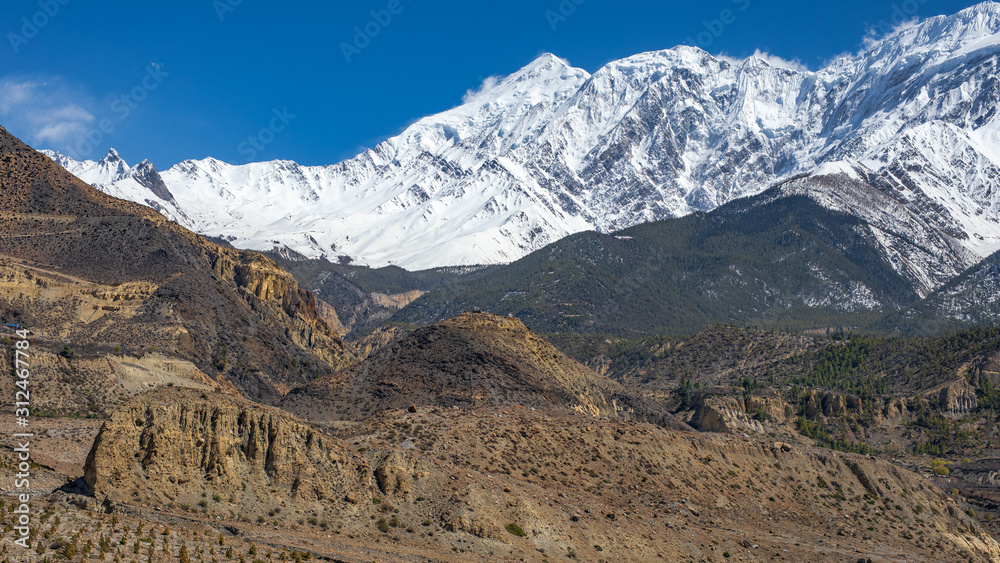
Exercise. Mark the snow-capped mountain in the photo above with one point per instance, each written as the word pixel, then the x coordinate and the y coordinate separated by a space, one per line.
pixel 141 184
pixel 552 150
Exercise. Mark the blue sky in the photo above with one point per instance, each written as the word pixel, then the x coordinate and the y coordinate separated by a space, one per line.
pixel 185 79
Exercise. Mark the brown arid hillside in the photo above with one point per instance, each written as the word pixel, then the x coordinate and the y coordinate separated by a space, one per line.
pixel 493 484
pixel 715 355
pixel 376 339
pixel 471 361
pixel 91 275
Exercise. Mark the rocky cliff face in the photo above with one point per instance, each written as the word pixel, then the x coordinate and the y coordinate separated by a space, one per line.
pixel 733 414
pixel 955 398
pixel 714 413
pixel 179 447
pixel 266 286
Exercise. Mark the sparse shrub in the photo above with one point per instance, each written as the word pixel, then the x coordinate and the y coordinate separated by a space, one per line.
pixel 938 466
pixel 515 530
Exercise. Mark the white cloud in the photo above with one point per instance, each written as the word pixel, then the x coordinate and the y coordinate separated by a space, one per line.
pixel 13 94
pixel 884 29
pixel 486 86
pixel 45 111
pixel 770 59
pixel 779 62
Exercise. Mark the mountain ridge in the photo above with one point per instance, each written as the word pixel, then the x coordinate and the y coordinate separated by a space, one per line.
pixel 552 150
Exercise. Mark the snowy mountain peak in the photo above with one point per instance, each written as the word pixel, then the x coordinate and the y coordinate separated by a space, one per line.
pixel 60 158
pixel 939 38
pixel 544 63
pixel 543 78
pixel 111 167
pixel 112 156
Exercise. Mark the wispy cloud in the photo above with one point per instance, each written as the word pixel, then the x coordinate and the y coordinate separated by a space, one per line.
pixel 884 29
pixel 779 62
pixel 45 111
pixel 486 86
pixel 770 59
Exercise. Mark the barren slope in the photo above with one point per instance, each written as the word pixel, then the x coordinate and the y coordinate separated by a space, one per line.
pixel 439 481
pixel 473 360
pixel 66 248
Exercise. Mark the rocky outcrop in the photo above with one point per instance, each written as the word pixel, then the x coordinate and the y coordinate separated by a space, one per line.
pixel 125 292
pixel 733 414
pixel 383 336
pixel 177 446
pixel 954 398
pixel 396 301
pixel 267 287
pixel 894 408
pixel 330 317
pixel 988 371
pixel 395 474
